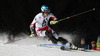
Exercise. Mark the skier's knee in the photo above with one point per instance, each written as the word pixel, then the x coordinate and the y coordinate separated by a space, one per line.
pixel 51 37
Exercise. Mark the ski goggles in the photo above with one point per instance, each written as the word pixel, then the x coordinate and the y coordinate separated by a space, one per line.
pixel 46 11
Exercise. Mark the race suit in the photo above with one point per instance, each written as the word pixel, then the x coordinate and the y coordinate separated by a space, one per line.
pixel 40 24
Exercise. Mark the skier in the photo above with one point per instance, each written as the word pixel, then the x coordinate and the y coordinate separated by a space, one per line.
pixel 40 27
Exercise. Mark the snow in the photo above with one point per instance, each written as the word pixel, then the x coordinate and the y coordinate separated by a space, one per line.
pixel 28 47
pixel 3 38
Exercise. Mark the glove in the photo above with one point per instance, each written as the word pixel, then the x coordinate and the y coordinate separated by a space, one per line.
pixel 33 35
pixel 53 22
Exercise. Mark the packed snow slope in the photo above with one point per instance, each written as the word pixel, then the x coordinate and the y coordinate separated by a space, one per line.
pixel 28 47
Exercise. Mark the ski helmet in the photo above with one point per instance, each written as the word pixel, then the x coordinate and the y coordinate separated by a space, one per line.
pixel 45 9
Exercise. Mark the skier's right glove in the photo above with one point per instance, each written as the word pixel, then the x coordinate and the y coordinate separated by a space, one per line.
pixel 33 35
pixel 53 22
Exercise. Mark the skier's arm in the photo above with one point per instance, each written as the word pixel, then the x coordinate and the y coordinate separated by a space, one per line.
pixel 53 20
pixel 32 26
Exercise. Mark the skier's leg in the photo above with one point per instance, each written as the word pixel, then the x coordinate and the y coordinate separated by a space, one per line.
pixel 51 37
pixel 48 34
pixel 41 34
pixel 54 34
pixel 62 40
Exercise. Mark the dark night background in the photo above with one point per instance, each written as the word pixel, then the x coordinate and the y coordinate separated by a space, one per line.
pixel 16 16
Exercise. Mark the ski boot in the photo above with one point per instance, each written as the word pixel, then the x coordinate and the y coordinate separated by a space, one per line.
pixel 73 47
pixel 63 42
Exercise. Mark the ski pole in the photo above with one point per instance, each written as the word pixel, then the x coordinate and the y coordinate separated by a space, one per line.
pixel 77 14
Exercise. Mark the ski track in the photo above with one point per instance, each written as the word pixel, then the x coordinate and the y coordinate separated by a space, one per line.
pixel 27 47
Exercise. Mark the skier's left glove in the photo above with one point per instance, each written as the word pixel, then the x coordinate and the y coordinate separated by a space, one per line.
pixel 53 22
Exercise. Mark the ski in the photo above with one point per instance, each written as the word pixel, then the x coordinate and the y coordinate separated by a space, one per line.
pixel 53 45
pixel 62 47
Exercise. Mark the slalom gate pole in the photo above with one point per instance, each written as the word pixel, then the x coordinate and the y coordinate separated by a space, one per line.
pixel 76 14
